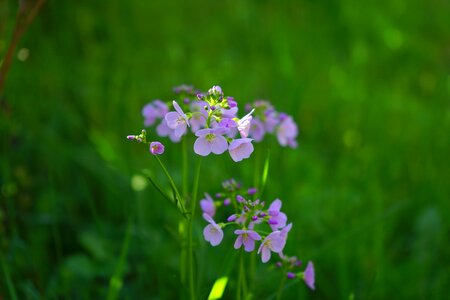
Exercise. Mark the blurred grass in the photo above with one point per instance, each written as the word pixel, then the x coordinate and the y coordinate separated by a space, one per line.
pixel 367 189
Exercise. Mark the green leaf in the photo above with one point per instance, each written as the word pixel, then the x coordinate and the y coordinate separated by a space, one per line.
pixel 218 288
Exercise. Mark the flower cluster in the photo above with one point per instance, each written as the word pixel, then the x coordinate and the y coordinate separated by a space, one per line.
pixel 254 223
pixel 211 116
pixel 267 120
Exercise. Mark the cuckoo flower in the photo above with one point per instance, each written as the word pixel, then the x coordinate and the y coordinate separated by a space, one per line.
pixel 277 218
pixel 210 140
pixel 207 205
pixel 156 148
pixel 177 120
pixel 287 131
pixel 240 149
pixel 309 275
pixel 163 130
pixel 243 124
pixel 248 238
pixel 212 232
pixel 273 242
pixel 153 111
pixel 257 130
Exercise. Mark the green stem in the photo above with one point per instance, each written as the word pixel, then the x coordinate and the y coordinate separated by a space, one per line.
pixel 174 187
pixel 9 283
pixel 281 288
pixel 242 284
pixel 184 167
pixel 190 230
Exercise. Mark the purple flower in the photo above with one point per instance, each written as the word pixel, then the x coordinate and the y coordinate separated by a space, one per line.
pixel 277 218
pixel 271 120
pixel 226 201
pixel 177 120
pixel 163 130
pixel 244 124
pixel 207 205
pixel 273 242
pixel 156 148
pixel 257 130
pixel 287 131
pixel 210 140
pixel 212 232
pixel 309 275
pixel 248 238
pixel 240 149
pixel 131 137
pixel 153 111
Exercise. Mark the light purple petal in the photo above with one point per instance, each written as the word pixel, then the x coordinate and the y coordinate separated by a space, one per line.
pixel 285 230
pixel 208 219
pixel 202 146
pixel 213 234
pixel 277 243
pixel 275 206
pixel 309 276
pixel 219 145
pixel 162 129
pixel 240 149
pixel 172 119
pixel 265 255
pixel 207 205
pixel 203 132
pixel 279 221
pixel 254 235
pixel 238 242
pixel 249 244
pixel 244 125
pixel 256 130
pixel 217 237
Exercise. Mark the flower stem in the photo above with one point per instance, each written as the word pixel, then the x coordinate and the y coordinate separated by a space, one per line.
pixel 242 284
pixel 190 230
pixel 179 200
pixel 184 167
pixel 281 288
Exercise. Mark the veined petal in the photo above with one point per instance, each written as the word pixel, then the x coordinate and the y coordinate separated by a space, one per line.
pixel 249 244
pixel 219 145
pixel 265 254
pixel 202 146
pixel 171 119
pixel 238 242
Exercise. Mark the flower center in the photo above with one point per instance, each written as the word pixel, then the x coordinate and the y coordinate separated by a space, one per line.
pixel 210 137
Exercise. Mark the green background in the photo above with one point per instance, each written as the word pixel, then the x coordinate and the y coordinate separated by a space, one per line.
pixel 367 189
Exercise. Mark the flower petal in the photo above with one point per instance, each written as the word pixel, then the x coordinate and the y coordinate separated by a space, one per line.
pixel 219 145
pixel 202 146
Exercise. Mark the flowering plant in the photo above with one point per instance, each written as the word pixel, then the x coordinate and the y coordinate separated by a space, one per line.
pixel 213 119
